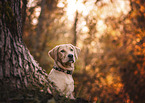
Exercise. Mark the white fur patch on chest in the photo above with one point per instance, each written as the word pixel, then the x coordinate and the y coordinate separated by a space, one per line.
pixel 64 82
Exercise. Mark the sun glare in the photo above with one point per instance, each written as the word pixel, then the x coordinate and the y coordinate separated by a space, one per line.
pixel 101 26
pixel 31 3
pixel 36 16
pixel 78 5
pixel 60 5
pixel 88 9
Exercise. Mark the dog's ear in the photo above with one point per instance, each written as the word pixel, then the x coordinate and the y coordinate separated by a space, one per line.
pixel 77 51
pixel 53 53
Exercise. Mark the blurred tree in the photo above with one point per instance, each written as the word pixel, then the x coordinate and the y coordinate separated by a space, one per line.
pixel 75 29
pixel 45 20
pixel 45 34
pixel 29 31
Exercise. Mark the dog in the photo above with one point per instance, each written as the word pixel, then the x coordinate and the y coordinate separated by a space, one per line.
pixel 64 57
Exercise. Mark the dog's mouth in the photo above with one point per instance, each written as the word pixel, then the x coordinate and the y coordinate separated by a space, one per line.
pixel 68 63
pixel 71 61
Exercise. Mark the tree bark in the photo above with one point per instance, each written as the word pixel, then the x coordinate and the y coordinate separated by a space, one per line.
pixel 18 69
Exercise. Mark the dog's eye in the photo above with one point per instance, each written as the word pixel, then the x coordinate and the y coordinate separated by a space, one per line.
pixel 62 51
pixel 71 49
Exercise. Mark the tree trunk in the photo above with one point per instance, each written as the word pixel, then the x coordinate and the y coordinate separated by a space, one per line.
pixel 18 69
pixel 75 29
pixel 45 19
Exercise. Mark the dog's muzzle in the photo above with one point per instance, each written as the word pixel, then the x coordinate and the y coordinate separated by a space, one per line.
pixel 71 60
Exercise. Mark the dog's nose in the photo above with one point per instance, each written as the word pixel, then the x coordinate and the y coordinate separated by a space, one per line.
pixel 70 56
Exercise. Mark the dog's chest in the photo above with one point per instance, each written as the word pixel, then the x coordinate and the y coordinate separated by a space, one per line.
pixel 64 82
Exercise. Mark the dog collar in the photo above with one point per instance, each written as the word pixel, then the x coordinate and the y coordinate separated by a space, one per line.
pixel 62 70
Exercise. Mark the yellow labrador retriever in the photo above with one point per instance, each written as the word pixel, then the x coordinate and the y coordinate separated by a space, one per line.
pixel 64 57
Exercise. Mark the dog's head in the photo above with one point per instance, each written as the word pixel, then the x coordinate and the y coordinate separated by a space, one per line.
pixel 65 54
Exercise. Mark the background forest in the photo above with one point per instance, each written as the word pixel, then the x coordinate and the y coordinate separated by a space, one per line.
pixel 111 35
